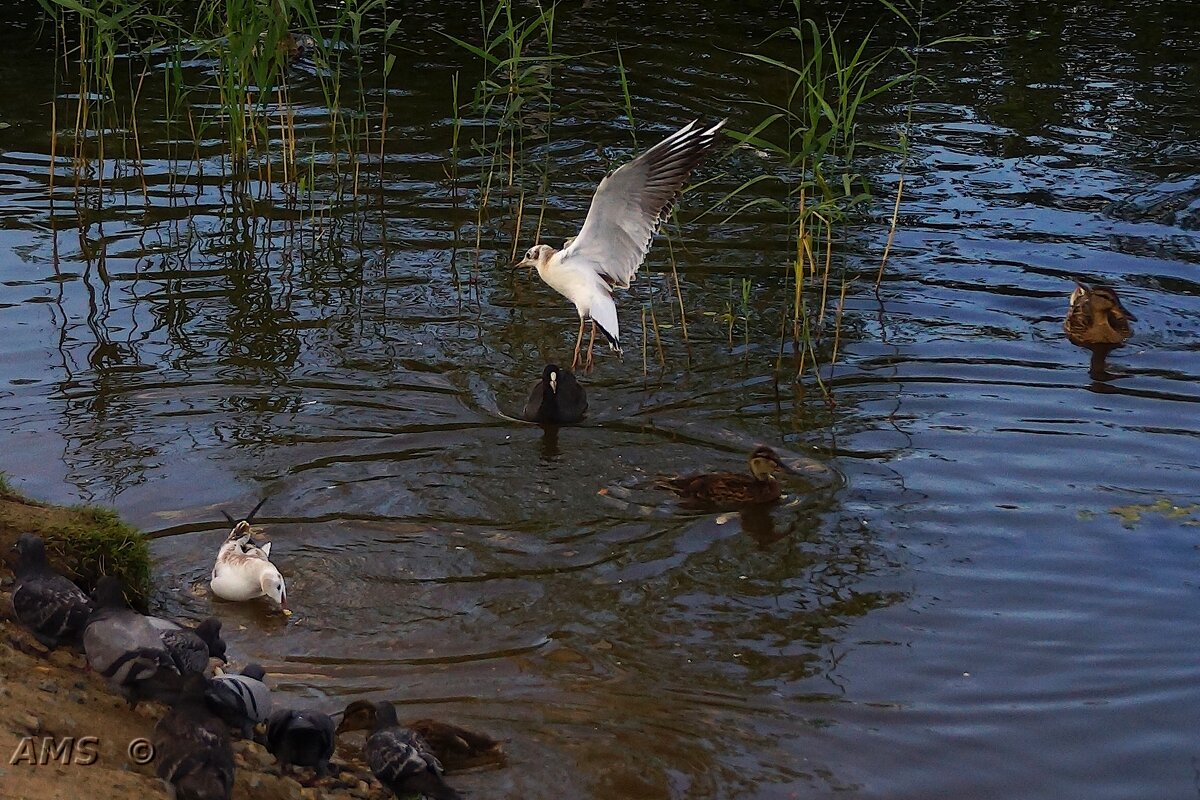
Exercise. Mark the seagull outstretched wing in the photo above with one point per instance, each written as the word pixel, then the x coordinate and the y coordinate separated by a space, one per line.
pixel 631 203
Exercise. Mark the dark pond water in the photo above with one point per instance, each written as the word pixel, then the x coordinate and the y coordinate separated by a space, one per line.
pixel 990 589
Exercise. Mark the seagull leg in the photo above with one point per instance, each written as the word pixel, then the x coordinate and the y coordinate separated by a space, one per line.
pixel 591 343
pixel 578 341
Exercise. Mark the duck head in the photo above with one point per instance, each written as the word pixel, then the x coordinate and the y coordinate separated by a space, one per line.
pixel 1105 301
pixel 764 462
pixel 363 715
pixel 1100 300
pixel 273 587
pixel 537 256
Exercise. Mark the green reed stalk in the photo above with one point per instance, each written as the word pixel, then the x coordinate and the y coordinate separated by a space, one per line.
pixel 812 133
pixel 746 286
pixel 624 78
pixel 253 42
pixel 513 101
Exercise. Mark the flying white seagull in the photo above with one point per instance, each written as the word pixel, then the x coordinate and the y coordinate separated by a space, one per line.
pixel 629 206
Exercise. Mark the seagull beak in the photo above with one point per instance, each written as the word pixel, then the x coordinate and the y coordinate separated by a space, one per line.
pixel 525 262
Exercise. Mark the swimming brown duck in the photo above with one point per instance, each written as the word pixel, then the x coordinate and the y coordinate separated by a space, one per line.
pixel 731 490
pixel 458 748
pixel 1097 321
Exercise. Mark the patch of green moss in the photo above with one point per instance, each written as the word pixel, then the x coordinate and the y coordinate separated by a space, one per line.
pixel 102 544
pixel 84 542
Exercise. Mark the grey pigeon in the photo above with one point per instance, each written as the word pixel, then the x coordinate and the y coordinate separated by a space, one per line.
pixel 45 603
pixel 144 657
pixel 301 737
pixel 399 757
pixel 242 700
pixel 192 752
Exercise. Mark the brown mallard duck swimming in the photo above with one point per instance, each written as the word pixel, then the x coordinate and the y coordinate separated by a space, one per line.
pixel 297 46
pixel 1097 321
pixel 731 490
pixel 456 747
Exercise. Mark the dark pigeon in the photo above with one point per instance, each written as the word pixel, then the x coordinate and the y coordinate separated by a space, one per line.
pixel 45 603
pixel 304 738
pixel 400 758
pixel 242 700
pixel 192 751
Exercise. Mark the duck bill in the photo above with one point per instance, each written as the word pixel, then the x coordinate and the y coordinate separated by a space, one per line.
pixel 1128 314
pixel 1079 292
pixel 786 468
pixel 347 724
